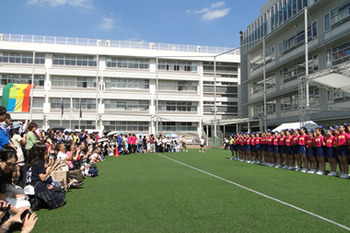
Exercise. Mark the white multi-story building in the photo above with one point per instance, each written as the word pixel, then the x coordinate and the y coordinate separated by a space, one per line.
pixel 281 27
pixel 117 84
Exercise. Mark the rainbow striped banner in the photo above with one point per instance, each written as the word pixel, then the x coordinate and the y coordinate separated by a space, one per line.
pixel 15 97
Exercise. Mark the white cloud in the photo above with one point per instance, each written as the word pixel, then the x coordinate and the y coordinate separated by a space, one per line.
pixel 218 4
pixel 211 15
pixel 86 4
pixel 213 12
pixel 107 24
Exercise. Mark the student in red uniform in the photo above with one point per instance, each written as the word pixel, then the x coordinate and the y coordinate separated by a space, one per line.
pixel 252 148
pixel 311 152
pixel 270 155
pixel 330 151
pixel 248 148
pixel 290 161
pixel 263 148
pixel 258 148
pixel 342 151
pixel 296 149
pixel 302 149
pixel 283 149
pixel 319 144
pixel 276 150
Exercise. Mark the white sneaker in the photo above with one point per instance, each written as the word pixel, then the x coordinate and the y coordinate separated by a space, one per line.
pixel 285 167
pixel 297 169
pixel 320 173
pixel 278 166
pixel 344 176
pixel 304 170
pixel 290 168
pixel 332 174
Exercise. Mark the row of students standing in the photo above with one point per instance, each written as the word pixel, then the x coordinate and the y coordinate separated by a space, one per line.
pixel 296 149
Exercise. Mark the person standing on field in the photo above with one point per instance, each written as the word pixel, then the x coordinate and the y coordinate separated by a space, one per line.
pixel 202 142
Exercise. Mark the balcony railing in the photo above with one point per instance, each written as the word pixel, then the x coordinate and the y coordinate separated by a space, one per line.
pixel 113 43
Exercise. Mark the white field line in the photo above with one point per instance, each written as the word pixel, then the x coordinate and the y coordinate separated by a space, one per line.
pixel 259 193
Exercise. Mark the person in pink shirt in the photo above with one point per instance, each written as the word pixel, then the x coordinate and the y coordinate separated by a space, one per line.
pixel 283 149
pixel 342 151
pixel 289 150
pixel 302 149
pixel 319 144
pixel 258 148
pixel 331 142
pixel 310 145
pixel 276 150
pixel 248 149
pixel 296 149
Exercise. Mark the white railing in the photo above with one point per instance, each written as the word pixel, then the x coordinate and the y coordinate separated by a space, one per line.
pixel 113 43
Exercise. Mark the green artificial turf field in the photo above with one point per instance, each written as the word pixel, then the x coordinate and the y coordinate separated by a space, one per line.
pixel 149 193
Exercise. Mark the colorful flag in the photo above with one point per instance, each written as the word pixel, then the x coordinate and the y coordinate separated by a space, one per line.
pixel 16 97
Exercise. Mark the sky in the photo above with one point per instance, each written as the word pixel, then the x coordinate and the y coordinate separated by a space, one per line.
pixel 189 22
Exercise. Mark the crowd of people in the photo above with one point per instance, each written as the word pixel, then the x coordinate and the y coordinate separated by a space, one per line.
pixel 129 144
pixel 38 167
pixel 296 149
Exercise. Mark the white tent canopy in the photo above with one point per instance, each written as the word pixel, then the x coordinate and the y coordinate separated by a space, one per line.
pixel 295 125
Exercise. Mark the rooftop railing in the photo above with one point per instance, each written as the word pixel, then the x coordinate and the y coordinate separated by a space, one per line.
pixel 113 43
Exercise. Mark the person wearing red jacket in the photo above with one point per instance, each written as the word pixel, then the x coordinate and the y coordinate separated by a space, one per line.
pixel 276 150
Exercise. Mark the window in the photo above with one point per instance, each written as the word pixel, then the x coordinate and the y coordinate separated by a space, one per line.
pixel 38 102
pixel 314 29
pixel 328 57
pixel 73 82
pixel 22 79
pixel 177 106
pixel 340 15
pixel 185 86
pixel 341 53
pixel 69 60
pixel 126 105
pixel 22 58
pixel 178 126
pixel 127 126
pixel 124 63
pixel 74 124
pixel 174 65
pixel 87 104
pixel 123 83
pixel 327 22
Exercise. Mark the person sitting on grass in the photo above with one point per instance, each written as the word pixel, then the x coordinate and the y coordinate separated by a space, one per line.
pixel 39 177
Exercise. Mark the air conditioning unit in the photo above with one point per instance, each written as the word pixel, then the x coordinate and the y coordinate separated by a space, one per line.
pixel 98 42
pixel 108 43
pixel 151 45
pixel 198 49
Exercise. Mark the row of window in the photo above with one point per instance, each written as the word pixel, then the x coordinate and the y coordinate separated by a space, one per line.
pixel 123 63
pixel 174 65
pixel 69 60
pixel 177 106
pixel 22 79
pixel 21 58
pixel 125 126
pixel 272 19
pixel 178 85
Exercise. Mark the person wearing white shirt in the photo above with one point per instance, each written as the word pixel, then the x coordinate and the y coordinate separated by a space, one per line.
pixel 202 142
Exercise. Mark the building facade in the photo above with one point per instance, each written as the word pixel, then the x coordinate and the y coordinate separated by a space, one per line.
pixel 280 75
pixel 116 85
